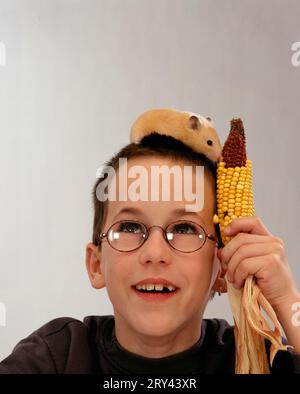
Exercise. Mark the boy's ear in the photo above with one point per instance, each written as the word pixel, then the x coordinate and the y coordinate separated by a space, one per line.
pixel 93 266
pixel 220 284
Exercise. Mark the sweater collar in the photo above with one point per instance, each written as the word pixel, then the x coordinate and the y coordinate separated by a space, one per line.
pixel 187 361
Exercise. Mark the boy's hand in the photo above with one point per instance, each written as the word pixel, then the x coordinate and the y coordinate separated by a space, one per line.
pixel 255 251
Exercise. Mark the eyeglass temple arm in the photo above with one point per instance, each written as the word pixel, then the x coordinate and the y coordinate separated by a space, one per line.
pixel 212 237
pixel 101 237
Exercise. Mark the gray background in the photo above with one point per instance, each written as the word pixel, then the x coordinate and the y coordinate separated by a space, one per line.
pixel 78 73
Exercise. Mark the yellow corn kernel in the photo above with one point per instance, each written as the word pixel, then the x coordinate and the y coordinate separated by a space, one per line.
pixel 234 195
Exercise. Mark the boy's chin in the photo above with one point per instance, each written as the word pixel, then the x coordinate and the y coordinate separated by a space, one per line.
pixel 155 325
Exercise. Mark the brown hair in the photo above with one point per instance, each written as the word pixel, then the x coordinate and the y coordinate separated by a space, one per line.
pixel 151 145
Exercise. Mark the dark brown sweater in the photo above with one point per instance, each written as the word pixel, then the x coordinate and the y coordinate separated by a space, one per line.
pixel 66 345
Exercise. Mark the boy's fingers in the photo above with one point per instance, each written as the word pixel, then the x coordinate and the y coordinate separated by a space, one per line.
pixel 228 251
pixel 253 266
pixel 251 225
pixel 250 252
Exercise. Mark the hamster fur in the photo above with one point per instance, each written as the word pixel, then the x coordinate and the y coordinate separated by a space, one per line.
pixel 194 130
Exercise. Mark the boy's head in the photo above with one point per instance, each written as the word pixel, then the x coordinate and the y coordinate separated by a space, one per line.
pixel 154 145
pixel 188 263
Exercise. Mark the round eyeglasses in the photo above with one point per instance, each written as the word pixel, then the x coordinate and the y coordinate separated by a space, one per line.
pixel 182 235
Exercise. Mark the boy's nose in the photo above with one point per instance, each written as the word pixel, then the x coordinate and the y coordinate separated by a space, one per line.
pixel 155 248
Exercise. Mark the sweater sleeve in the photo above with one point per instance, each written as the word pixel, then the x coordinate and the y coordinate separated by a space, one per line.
pixel 60 346
pixel 296 361
pixel 285 361
pixel 30 356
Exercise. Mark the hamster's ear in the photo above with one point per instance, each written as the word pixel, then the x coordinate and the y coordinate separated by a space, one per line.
pixel 194 123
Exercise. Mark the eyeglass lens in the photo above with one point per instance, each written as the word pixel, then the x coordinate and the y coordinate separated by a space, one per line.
pixel 182 235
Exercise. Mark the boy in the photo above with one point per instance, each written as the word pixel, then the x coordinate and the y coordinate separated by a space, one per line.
pixel 159 277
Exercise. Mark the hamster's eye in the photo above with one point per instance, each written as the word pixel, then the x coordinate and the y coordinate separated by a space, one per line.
pixel 209 142
pixel 208 118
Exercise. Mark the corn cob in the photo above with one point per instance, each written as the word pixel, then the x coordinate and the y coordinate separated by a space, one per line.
pixel 234 200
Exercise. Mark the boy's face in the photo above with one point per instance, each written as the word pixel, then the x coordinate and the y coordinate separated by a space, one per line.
pixel 193 273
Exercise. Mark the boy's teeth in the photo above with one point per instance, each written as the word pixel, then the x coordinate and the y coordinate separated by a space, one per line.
pixel 150 286
pixel 140 287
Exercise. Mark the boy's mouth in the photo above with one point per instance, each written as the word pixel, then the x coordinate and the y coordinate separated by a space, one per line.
pixel 155 289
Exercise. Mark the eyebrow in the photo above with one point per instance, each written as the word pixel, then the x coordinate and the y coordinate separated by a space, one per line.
pixel 182 212
pixel 128 210
pixel 178 212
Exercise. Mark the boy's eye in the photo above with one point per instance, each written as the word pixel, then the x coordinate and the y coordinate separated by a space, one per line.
pixel 130 227
pixel 184 228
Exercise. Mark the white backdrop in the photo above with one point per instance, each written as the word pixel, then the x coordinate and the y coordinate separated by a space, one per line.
pixel 75 74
